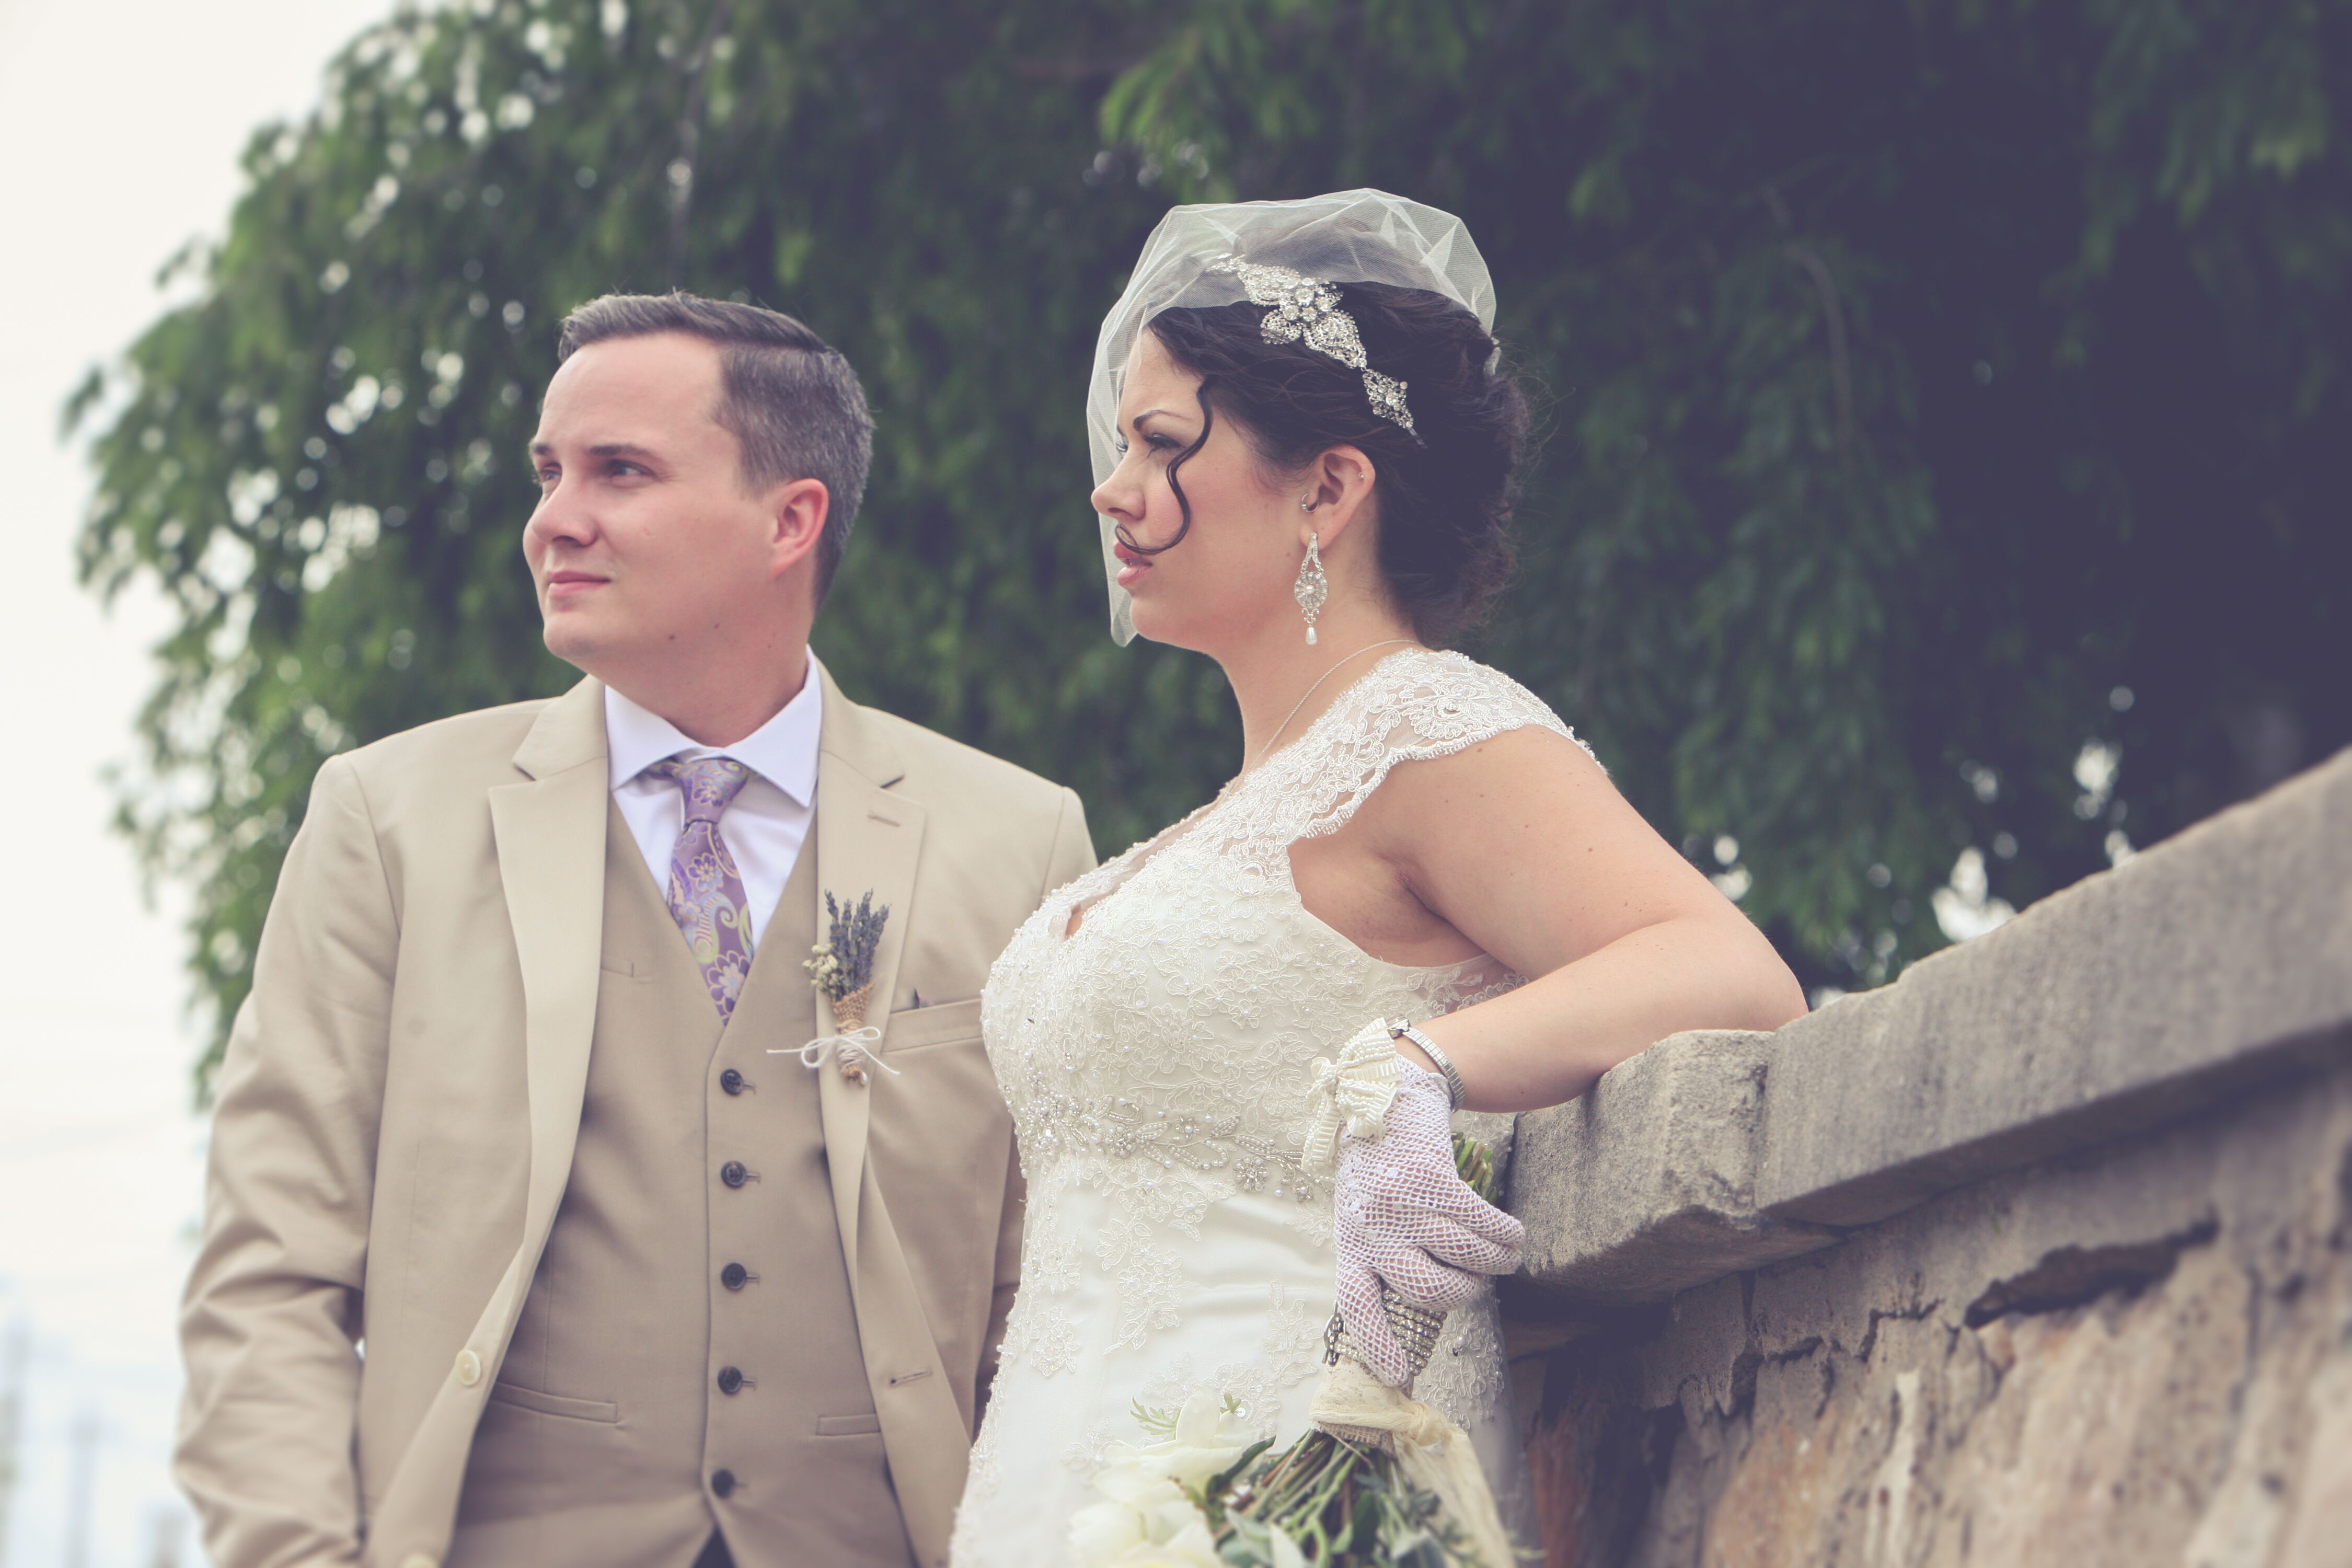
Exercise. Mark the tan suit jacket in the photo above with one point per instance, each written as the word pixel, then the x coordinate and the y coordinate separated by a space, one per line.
pixel 401 1099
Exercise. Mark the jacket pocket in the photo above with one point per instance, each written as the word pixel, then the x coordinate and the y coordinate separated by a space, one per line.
pixel 555 1404
pixel 940 1023
pixel 848 1426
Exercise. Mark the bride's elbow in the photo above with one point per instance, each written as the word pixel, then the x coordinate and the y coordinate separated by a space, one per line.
pixel 1768 993
pixel 1757 990
pixel 1776 998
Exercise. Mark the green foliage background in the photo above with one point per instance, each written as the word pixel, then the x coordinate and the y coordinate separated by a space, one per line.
pixel 1931 390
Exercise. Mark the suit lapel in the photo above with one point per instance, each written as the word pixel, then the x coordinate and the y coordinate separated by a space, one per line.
pixel 869 838
pixel 551 839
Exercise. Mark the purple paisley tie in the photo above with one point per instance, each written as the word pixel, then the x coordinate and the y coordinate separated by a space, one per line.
pixel 705 891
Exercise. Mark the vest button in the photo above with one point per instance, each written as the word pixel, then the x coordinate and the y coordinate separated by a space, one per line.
pixel 469 1368
pixel 730 1380
pixel 733 1276
pixel 722 1483
pixel 731 1081
pixel 734 1173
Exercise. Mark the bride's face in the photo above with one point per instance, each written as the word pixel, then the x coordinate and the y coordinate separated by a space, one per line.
pixel 1232 572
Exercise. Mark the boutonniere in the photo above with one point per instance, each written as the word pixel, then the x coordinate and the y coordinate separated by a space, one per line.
pixel 841 968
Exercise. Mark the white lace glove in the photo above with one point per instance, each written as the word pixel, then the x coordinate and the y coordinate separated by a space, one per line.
pixel 1405 1216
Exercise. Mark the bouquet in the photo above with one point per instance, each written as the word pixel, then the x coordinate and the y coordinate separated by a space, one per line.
pixel 1380 1481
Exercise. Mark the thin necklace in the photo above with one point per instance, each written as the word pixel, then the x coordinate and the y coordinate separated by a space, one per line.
pixel 1319 679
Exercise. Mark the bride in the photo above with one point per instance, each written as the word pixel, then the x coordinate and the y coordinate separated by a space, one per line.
pixel 1306 443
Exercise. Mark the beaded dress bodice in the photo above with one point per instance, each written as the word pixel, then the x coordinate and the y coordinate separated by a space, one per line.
pixel 1157 1060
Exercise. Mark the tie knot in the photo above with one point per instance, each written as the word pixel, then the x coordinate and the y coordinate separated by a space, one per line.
pixel 708 785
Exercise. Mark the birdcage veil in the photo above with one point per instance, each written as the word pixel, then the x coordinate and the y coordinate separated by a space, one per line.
pixel 1348 236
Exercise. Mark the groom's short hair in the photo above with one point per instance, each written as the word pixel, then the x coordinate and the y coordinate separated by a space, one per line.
pixel 796 407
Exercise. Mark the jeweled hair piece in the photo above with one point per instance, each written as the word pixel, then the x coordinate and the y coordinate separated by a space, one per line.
pixel 1296 259
pixel 1306 310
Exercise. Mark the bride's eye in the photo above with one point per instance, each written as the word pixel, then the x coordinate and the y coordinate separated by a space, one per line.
pixel 1155 442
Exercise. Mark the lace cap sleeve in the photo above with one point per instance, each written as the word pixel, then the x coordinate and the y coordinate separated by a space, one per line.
pixel 1414 705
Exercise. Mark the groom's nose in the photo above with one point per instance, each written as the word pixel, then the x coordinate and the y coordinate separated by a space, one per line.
pixel 562 517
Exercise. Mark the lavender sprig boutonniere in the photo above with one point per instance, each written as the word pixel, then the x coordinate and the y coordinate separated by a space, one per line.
pixel 841 967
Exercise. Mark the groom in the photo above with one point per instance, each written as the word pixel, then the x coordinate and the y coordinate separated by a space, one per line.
pixel 505 1106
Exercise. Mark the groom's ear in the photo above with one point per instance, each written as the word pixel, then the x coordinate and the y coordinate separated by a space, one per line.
pixel 797 511
pixel 1339 483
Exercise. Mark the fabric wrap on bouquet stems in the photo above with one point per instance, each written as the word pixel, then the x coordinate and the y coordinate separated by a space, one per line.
pixel 1431 1451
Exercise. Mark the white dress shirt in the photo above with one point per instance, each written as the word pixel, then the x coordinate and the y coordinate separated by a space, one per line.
pixel 764 825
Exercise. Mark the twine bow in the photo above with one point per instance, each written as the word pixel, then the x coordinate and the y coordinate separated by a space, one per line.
pixel 853 1048
pixel 1355 1091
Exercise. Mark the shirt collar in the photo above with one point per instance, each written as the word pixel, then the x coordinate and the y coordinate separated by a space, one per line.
pixel 782 750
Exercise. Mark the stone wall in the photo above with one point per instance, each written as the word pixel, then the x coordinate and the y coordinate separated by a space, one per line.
pixel 2042 1254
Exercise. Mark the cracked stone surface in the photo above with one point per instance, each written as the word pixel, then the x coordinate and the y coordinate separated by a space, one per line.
pixel 1648 1184
pixel 2139 1359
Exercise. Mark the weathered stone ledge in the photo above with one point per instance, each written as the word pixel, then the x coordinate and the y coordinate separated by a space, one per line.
pixel 2199 970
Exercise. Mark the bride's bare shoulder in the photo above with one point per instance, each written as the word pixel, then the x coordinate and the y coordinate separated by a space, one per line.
pixel 1527 778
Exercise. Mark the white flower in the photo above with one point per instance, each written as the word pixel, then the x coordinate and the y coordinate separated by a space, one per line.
pixel 1209 1438
pixel 1100 1534
pixel 1149 1520
pixel 1150 1523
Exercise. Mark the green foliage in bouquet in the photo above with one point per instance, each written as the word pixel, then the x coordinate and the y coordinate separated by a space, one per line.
pixel 1329 1502
pixel 1475 1163
pixel 1323 1502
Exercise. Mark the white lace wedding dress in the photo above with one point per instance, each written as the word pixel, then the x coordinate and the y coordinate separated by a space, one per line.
pixel 1156 1063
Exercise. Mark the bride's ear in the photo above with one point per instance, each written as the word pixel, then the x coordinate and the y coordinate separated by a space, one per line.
pixel 1337 490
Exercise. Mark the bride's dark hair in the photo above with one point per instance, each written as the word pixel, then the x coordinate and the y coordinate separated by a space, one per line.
pixel 1445 494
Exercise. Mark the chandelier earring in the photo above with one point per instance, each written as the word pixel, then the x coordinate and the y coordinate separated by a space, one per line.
pixel 1312 587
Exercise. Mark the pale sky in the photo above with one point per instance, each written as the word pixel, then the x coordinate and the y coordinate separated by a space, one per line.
pixel 122 121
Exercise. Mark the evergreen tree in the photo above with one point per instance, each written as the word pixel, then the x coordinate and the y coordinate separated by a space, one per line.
pixel 1939 395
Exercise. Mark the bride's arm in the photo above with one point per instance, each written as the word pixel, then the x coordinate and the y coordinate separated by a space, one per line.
pixel 1523 845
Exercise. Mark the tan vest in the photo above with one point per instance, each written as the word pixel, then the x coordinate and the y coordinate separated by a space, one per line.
pixel 689 1343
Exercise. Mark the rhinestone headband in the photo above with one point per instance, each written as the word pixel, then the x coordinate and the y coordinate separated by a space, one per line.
pixel 1306 310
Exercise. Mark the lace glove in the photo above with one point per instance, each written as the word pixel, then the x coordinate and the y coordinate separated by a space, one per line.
pixel 1405 1216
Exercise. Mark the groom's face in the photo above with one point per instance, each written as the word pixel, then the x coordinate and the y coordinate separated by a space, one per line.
pixel 645 545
